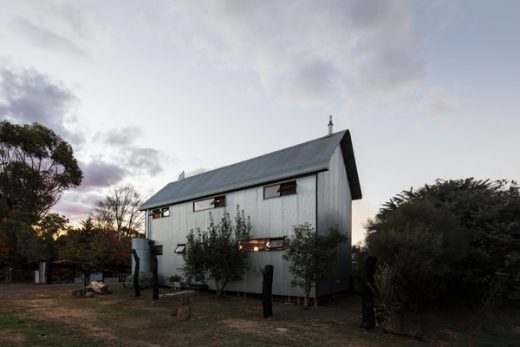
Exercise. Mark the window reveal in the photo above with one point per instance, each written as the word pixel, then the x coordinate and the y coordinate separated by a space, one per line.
pixel 180 249
pixel 218 201
pixel 257 245
pixel 160 212
pixel 276 190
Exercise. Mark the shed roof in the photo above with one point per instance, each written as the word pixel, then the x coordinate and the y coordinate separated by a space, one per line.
pixel 300 160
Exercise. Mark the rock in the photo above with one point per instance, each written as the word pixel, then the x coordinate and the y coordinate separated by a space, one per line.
pixel 99 287
pixel 281 330
pixel 183 312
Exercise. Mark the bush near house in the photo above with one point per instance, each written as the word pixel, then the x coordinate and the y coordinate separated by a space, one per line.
pixel 312 257
pixel 214 254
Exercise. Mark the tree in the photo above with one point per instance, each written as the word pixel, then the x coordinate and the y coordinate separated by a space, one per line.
pixel 47 229
pixel 36 166
pixel 214 254
pixel 96 246
pixel 466 234
pixel 312 256
pixel 119 211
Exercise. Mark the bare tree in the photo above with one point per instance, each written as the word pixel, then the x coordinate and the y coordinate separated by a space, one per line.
pixel 119 211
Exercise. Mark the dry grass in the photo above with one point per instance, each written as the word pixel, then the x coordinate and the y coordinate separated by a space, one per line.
pixel 56 318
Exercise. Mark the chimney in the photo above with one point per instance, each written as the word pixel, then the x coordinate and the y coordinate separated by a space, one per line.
pixel 181 176
pixel 330 125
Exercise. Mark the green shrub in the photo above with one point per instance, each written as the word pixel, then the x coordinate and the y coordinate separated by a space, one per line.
pixel 455 239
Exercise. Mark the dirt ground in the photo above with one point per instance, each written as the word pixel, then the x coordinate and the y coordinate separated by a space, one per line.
pixel 49 315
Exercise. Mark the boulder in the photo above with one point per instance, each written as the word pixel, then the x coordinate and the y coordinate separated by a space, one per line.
pixel 99 287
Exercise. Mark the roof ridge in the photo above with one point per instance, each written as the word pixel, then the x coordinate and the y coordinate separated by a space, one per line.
pixel 260 156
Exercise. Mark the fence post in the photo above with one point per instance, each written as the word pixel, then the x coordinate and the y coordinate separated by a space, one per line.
pixel 137 290
pixel 267 291
pixel 155 278
pixel 367 296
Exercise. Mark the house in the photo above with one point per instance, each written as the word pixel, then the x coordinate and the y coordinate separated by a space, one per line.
pixel 312 182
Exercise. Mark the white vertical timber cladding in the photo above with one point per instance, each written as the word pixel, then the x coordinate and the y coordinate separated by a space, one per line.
pixel 273 217
pixel 335 210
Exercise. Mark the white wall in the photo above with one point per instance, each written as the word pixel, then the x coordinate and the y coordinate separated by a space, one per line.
pixel 335 210
pixel 273 217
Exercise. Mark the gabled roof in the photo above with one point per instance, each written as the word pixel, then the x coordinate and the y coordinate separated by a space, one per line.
pixel 303 159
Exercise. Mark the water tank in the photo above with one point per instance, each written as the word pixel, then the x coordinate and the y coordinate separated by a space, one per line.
pixel 143 252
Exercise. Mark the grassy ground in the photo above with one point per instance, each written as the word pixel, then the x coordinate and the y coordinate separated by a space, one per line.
pixel 32 317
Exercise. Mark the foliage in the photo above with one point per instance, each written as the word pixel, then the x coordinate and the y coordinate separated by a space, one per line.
pixel 385 281
pixel 47 230
pixel 456 238
pixel 175 278
pixel 214 254
pixel 98 247
pixel 119 211
pixel 36 166
pixel 145 280
pixel 312 256
pixel 420 244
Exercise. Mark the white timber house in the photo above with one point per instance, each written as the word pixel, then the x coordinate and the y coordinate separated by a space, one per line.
pixel 313 182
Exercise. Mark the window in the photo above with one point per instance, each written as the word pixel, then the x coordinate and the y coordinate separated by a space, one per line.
pixel 157 250
pixel 256 245
pixel 218 201
pixel 277 244
pixel 160 212
pixel 180 249
pixel 276 190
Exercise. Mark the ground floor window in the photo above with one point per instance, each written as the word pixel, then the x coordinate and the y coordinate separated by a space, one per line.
pixel 257 245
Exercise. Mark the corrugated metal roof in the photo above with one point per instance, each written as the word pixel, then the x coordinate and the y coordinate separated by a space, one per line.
pixel 299 160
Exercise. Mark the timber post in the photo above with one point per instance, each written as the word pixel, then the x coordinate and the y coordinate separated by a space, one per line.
pixel 367 296
pixel 137 290
pixel 267 291
pixel 155 273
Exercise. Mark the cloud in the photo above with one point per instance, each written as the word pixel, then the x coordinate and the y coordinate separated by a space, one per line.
pixel 44 38
pixel 120 137
pixel 195 172
pixel 101 174
pixel 306 52
pixel 27 96
pixel 71 27
pixel 77 204
pixel 137 159
pixel 144 160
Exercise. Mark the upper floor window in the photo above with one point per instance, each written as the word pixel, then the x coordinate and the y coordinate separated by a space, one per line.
pixel 281 189
pixel 217 201
pixel 160 212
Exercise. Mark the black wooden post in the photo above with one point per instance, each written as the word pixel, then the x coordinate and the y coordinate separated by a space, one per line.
pixel 267 291
pixel 137 290
pixel 48 272
pixel 367 296
pixel 86 278
pixel 155 278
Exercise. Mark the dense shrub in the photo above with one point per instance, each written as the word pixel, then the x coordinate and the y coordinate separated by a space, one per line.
pixel 454 239
pixel 214 254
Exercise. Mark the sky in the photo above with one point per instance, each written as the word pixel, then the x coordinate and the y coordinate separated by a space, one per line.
pixel 146 89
